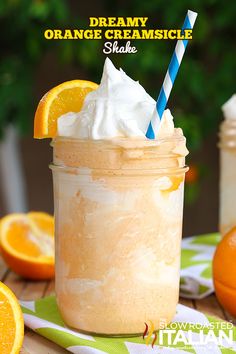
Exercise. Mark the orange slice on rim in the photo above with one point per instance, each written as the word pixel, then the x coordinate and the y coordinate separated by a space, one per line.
pixel 66 97
pixel 11 322
pixel 27 244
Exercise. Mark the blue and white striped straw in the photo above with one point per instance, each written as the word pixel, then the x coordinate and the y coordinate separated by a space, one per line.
pixel 170 77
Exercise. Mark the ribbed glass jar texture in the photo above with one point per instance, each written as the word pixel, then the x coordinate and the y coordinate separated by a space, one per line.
pixel 118 217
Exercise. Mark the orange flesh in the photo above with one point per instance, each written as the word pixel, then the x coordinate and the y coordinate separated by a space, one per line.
pixel 69 100
pixel 18 238
pixel 176 181
pixel 46 226
pixel 7 325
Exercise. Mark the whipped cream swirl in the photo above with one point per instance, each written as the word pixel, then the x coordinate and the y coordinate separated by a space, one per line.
pixel 119 108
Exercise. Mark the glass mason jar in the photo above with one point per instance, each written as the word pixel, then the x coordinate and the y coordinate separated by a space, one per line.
pixel 227 175
pixel 118 226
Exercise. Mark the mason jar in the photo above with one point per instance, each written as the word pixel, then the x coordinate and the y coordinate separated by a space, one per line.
pixel 227 147
pixel 118 227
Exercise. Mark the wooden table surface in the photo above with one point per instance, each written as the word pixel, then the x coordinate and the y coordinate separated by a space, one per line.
pixel 29 290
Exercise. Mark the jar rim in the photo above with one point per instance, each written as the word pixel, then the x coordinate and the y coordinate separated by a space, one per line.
pixel 120 140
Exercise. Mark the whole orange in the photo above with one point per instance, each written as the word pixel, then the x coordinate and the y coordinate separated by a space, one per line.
pixel 224 271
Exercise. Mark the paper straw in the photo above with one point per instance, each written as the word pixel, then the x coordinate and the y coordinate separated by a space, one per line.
pixel 170 77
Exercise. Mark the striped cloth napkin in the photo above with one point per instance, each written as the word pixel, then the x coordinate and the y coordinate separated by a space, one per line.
pixel 190 332
pixel 196 271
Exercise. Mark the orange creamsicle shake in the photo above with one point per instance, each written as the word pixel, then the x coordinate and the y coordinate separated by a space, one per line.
pixel 118 210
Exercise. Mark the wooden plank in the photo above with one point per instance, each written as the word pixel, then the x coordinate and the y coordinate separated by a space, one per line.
pixel 33 290
pixel 23 289
pixel 35 344
pixel 50 290
pixel 210 306
pixel 186 302
pixel 3 268
pixel 230 318
pixel 24 351
pixel 15 283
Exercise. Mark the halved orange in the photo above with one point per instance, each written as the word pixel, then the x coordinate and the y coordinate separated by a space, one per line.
pixel 27 244
pixel 66 97
pixel 11 322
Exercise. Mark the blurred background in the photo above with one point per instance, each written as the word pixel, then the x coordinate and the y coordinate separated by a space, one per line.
pixel 31 65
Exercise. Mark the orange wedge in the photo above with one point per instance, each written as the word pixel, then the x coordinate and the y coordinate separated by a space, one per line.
pixel 11 322
pixel 66 97
pixel 27 244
